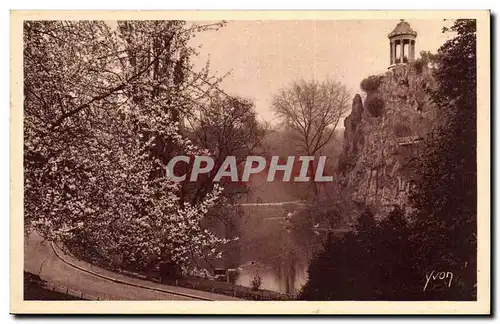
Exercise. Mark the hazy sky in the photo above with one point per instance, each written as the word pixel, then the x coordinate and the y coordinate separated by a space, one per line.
pixel 265 56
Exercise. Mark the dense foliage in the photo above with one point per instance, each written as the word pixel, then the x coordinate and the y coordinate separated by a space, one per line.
pixel 371 83
pixel 397 259
pixel 446 220
pixel 103 113
pixel 371 263
pixel 374 104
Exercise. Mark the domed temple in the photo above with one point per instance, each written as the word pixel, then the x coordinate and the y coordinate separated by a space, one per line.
pixel 402 43
pixel 384 132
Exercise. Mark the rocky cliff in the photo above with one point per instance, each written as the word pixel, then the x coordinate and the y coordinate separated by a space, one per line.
pixel 383 135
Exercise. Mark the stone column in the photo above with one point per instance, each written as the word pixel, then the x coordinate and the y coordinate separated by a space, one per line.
pixel 409 51
pixel 413 50
pixel 390 52
pixel 402 50
pixel 410 47
pixel 391 49
pixel 394 45
pixel 397 44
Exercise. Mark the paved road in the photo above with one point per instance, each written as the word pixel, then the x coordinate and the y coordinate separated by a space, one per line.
pixel 281 203
pixel 41 258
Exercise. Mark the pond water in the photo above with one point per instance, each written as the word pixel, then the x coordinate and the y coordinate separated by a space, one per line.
pixel 275 251
pixel 284 280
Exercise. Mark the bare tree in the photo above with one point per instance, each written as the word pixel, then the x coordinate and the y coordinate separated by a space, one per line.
pixel 227 127
pixel 312 110
pixel 92 93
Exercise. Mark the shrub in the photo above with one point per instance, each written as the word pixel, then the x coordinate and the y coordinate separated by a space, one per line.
pixel 232 275
pixel 420 106
pixel 371 83
pixel 401 130
pixel 374 104
pixel 376 264
pixel 256 282
pixel 419 66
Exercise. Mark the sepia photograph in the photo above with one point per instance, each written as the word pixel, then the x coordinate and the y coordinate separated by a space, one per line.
pixel 250 163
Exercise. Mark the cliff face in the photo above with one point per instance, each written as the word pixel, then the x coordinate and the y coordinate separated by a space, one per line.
pixel 383 135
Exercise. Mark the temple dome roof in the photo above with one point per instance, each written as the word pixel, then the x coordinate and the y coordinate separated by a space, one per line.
pixel 402 28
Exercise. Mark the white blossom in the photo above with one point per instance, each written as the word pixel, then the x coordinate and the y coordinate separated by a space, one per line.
pixel 94 173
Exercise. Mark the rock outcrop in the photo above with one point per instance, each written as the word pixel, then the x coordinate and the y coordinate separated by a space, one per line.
pixel 383 135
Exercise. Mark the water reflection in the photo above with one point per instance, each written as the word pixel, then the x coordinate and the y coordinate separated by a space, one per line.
pixel 278 253
pixel 281 281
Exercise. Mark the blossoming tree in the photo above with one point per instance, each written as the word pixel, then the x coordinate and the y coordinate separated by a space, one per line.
pixel 103 110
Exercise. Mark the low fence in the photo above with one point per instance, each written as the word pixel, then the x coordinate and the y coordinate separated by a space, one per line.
pixel 36 288
pixel 197 283
pixel 75 292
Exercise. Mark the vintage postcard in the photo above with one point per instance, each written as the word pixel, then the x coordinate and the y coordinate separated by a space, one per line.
pixel 233 162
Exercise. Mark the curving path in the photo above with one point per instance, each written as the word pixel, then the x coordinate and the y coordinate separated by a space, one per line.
pixel 60 269
pixel 281 203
